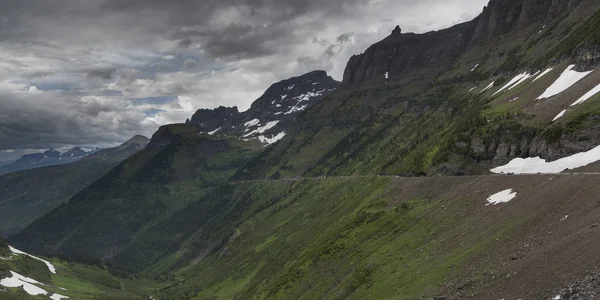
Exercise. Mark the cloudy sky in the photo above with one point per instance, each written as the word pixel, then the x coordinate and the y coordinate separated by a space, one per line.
pixel 96 72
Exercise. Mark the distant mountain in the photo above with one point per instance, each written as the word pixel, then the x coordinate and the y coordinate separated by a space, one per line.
pixel 177 168
pixel 271 115
pixel 50 157
pixel 28 194
pixel 74 153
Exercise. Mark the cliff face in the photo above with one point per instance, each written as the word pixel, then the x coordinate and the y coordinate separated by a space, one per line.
pixel 411 54
pixel 503 16
pixel 400 53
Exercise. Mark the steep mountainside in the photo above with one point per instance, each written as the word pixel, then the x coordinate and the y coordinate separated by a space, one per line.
pixel 27 195
pixel 271 115
pixel 148 205
pixel 322 214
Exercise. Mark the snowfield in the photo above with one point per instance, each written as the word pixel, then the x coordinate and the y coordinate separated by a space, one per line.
pixel 543 74
pixel 501 197
pixel 263 128
pixel 534 165
pixel 269 141
pixel 50 266
pixel 514 82
pixel 567 79
pixel 488 87
pixel 587 96
pixel 252 123
pixel 18 280
pixel 560 115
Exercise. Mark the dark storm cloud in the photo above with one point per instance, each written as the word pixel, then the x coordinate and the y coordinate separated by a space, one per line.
pixel 96 72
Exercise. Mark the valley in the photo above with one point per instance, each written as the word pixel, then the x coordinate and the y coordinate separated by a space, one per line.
pixel 455 164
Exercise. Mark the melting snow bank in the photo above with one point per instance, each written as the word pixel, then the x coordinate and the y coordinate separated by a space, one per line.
pixel 534 165
pixel 18 280
pixel 58 297
pixel 515 81
pixel 48 264
pixel 262 129
pixel 587 96
pixel 491 85
pixel 567 79
pixel 269 141
pixel 562 113
pixel 543 73
pixel 501 197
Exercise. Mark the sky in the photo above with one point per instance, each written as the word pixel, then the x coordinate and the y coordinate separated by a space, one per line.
pixel 97 72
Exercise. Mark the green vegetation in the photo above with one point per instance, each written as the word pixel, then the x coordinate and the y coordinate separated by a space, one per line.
pixel 338 239
pixel 149 206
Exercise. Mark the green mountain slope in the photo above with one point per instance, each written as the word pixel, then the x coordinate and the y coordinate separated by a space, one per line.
pixel 321 215
pixel 147 206
pixel 27 195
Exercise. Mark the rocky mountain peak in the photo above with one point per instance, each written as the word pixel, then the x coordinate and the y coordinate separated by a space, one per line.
pixel 404 54
pixel 211 119
pixel 272 113
pixel 73 153
pixel 52 153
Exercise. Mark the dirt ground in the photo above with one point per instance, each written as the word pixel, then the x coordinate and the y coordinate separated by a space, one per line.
pixel 554 248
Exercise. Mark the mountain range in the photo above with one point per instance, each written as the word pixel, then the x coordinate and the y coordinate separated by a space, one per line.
pixel 50 157
pixel 454 164
pixel 28 194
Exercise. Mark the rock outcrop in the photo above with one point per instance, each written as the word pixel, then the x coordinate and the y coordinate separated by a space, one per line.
pixel 409 54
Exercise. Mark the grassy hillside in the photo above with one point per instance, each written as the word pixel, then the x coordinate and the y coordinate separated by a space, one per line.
pixel 409 238
pixel 76 281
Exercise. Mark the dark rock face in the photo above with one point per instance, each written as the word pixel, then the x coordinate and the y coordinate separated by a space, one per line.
pixel 409 54
pixel 503 16
pixel 211 119
pixel 272 113
pixel 417 55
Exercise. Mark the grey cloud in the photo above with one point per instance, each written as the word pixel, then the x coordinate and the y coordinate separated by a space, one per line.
pixel 100 55
pixel 102 73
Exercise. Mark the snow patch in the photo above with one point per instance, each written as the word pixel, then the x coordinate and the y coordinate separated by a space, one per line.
pixel 475 67
pixel 567 79
pixel 263 128
pixel 386 75
pixel 18 280
pixel 534 165
pixel 296 109
pixel 214 131
pixel 291 87
pixel 272 140
pixel 513 82
pixel 58 297
pixel 252 123
pixel 51 267
pixel 472 89
pixel 488 87
pixel 523 80
pixel 543 73
pixel 282 98
pixel 588 95
pixel 501 197
pixel 562 113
